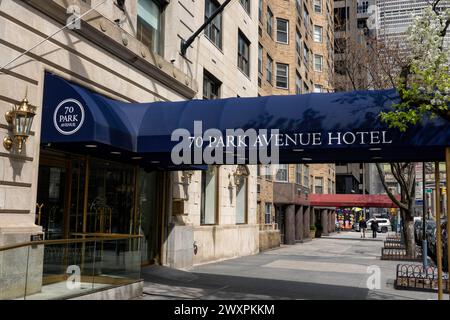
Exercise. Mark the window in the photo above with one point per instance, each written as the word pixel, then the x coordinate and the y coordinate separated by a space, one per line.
pixel 269 69
pixel 318 6
pixel 318 88
pixel 318 62
pixel 298 43
pixel 318 34
pixel 282 173
pixel 243 53
pixel 260 59
pixel 318 185
pixel 211 86
pixel 149 24
pixel 282 30
pixel 241 199
pixel 306 17
pixel 267 172
pixel 269 22
pixel 246 5
pixel 329 187
pixel 260 10
pixel 268 213
pixel 213 30
pixel 209 198
pixel 306 176
pixel 282 76
pixel 298 174
pixel 298 6
pixel 306 55
pixel 298 84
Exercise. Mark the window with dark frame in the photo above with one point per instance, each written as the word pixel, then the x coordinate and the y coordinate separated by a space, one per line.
pixel 246 5
pixel 213 31
pixel 269 22
pixel 243 53
pixel 269 69
pixel 211 86
pixel 260 59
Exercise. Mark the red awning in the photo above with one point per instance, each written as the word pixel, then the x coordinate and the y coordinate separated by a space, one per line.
pixel 352 200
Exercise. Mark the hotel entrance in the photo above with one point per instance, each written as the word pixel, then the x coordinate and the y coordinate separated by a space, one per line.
pixel 81 196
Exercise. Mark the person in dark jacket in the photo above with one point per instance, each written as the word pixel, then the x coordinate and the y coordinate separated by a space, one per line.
pixel 363 227
pixel 374 227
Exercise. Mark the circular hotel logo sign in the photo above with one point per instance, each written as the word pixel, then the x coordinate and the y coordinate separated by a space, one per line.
pixel 68 117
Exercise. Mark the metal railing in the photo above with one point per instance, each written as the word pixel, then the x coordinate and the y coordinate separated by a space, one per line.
pixel 415 277
pixel 66 268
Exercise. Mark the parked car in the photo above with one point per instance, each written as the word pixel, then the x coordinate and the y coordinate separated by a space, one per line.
pixel 384 225
pixel 432 244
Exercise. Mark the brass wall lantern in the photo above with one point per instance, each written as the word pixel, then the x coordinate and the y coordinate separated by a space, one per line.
pixel 20 118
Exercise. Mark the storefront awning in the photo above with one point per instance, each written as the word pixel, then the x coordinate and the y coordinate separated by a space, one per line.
pixel 316 128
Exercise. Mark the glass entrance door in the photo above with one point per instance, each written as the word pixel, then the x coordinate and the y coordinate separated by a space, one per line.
pixel 52 198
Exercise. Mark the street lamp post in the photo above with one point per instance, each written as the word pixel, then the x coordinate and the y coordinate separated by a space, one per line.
pixel 424 234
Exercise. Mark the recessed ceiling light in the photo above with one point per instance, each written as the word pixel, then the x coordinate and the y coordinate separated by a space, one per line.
pixel 116 152
pixel 306 159
pixel 298 150
pixel 377 158
pixel 155 162
pixel 136 158
pixel 375 149
pixel 91 146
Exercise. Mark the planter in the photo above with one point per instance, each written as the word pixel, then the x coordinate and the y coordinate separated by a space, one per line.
pixel 318 234
pixel 312 234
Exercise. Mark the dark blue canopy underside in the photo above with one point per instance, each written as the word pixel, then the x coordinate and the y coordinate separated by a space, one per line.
pixel 143 130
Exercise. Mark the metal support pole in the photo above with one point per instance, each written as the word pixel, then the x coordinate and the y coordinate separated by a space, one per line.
pixel 424 219
pixel 438 229
pixel 447 179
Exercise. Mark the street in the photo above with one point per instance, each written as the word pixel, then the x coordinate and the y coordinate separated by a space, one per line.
pixel 334 267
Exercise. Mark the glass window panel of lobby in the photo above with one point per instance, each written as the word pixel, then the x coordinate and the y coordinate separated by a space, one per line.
pixel 149 24
pixel 208 215
pixel 241 200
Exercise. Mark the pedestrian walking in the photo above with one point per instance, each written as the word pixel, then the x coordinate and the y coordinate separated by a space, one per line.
pixel 374 227
pixel 363 227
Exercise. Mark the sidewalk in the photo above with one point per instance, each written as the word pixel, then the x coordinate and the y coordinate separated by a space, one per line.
pixel 334 267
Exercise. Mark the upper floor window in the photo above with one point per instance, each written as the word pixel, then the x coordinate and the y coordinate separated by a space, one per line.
pixel 213 30
pixel 318 185
pixel 149 24
pixel 260 59
pixel 306 176
pixel 318 37
pixel 243 53
pixel 260 10
pixel 329 187
pixel 269 69
pixel 211 86
pixel 282 173
pixel 282 30
pixel 298 174
pixel 318 6
pixel 246 5
pixel 269 22
pixel 268 213
pixel 282 75
pixel 318 62
pixel 298 84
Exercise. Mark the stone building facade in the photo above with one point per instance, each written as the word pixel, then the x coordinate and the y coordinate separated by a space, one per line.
pixel 131 54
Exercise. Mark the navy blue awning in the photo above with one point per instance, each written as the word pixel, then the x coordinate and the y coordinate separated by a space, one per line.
pixel 145 129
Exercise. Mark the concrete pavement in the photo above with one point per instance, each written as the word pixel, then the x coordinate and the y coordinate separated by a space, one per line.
pixel 335 267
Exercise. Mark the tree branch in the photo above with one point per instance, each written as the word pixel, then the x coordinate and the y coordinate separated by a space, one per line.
pixel 386 188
